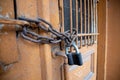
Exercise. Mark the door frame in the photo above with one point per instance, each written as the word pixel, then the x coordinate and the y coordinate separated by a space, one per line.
pixel 102 40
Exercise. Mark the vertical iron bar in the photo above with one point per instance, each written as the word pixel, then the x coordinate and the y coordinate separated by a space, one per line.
pixel 81 22
pixel 85 27
pixel 94 20
pixel 88 21
pixel 15 9
pixel 77 20
pixel 71 16
pixel 91 21
pixel 62 5
pixel 71 19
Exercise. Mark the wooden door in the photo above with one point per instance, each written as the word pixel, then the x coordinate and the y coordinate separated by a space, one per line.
pixel 37 61
pixel 14 48
pixel 65 15
pixel 81 15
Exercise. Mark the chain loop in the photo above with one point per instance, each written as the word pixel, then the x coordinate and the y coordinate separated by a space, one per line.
pixel 28 34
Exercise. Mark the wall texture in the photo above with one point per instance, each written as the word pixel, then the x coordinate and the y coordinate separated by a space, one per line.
pixel 113 41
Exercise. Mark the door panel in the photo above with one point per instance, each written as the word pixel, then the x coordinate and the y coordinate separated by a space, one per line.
pixel 37 61
pixel 30 54
pixel 83 18
pixel 45 49
pixel 28 66
pixel 88 70
pixel 57 62
pixel 7 34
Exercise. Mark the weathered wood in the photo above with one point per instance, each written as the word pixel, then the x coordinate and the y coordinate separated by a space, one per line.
pixel 13 21
pixel 30 54
pixel 57 62
pixel 45 49
pixel 8 46
pixel 62 14
pixel 28 67
pixel 113 40
pixel 36 60
pixel 102 17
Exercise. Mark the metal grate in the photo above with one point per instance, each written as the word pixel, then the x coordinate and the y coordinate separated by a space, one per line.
pixel 81 15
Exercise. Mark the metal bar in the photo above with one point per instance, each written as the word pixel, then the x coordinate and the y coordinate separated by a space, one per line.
pixel 71 19
pixel 71 16
pixel 92 34
pixel 77 19
pixel 91 21
pixel 88 21
pixel 81 22
pixel 85 20
pixel 96 20
pixel 13 21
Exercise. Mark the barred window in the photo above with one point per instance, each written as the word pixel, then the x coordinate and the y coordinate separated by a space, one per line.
pixel 81 15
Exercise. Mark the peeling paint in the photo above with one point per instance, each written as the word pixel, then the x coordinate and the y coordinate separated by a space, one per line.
pixel 7 15
pixel 5 33
pixel 0 9
pixel 1 16
pixel 1 26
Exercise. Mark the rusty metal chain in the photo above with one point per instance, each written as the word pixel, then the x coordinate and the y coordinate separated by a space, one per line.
pixel 34 37
pixel 28 33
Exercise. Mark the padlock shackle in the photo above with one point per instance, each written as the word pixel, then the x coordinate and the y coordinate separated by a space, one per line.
pixel 72 45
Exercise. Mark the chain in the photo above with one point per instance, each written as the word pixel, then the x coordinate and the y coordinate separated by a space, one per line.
pixel 30 35
pixel 34 37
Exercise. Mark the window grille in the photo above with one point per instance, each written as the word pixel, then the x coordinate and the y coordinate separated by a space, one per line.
pixel 81 15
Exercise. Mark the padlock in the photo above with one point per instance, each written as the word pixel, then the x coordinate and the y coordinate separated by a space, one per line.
pixel 69 56
pixel 74 58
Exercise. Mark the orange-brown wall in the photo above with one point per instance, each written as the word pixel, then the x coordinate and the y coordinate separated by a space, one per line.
pixel 113 41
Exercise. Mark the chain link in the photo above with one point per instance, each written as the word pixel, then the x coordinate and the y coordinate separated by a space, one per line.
pixel 30 35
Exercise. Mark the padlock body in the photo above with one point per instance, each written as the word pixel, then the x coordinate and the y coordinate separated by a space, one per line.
pixel 70 59
pixel 77 59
